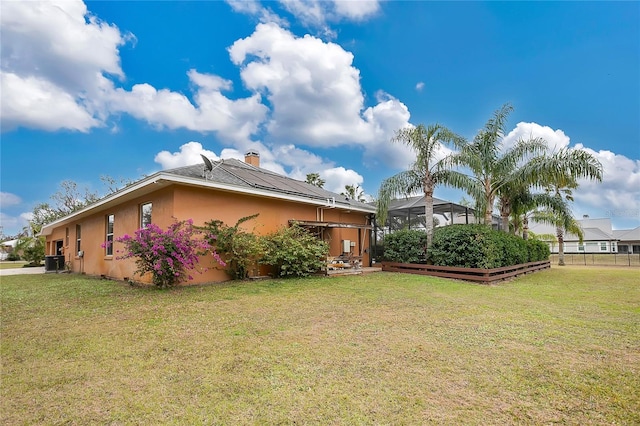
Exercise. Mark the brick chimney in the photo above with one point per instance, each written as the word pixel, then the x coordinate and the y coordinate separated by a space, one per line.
pixel 253 158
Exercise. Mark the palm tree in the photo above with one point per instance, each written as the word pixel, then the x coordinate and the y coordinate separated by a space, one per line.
pixel 526 204
pixel 563 224
pixel 559 173
pixel 314 179
pixel 354 192
pixel 495 173
pixel 425 173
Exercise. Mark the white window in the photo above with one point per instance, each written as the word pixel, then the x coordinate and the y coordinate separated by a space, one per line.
pixel 603 246
pixel 145 214
pixel 580 247
pixel 78 238
pixel 109 240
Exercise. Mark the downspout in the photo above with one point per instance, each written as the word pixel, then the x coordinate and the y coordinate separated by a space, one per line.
pixel 372 237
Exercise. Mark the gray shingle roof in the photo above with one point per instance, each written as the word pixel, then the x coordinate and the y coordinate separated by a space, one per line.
pixel 627 234
pixel 241 174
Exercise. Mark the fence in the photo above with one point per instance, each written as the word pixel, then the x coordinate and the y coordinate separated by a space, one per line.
pixel 485 276
pixel 599 259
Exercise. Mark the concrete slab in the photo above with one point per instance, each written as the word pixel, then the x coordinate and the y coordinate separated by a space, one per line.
pixel 22 271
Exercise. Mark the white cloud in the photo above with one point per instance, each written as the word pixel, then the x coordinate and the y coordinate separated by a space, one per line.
pixel 338 177
pixel 188 155
pixel 38 103
pixel 618 191
pixel 254 8
pixel 60 40
pixel 234 120
pixel 55 54
pixel 56 62
pixel 356 9
pixel 420 86
pixel 13 225
pixel 8 199
pixel 556 139
pixel 319 13
pixel 315 92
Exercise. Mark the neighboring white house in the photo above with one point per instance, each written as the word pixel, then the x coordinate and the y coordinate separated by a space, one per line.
pixel 599 237
pixel 628 240
pixel 7 247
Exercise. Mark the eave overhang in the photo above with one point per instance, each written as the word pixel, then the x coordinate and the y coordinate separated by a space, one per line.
pixel 162 179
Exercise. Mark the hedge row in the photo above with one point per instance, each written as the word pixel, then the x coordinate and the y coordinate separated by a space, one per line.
pixel 469 246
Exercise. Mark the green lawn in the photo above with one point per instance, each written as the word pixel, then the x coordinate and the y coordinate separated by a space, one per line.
pixel 12 265
pixel 558 346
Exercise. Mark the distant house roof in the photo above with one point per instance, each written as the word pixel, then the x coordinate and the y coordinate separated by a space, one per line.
pixel 627 234
pixel 9 243
pixel 593 230
pixel 229 175
pixel 590 234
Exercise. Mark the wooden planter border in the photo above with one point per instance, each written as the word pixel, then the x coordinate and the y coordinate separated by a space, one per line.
pixel 485 276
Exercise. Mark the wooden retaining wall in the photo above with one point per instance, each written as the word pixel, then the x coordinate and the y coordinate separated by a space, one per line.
pixel 484 276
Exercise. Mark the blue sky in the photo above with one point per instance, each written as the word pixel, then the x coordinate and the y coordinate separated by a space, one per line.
pixel 125 89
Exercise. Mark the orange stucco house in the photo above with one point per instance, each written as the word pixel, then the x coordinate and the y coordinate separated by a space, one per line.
pixel 226 190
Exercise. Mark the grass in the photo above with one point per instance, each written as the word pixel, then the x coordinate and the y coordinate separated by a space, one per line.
pixel 12 265
pixel 558 346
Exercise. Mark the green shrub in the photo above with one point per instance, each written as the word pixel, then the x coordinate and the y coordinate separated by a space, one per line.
pixel 405 246
pixel 33 251
pixel 477 246
pixel 169 254
pixel 13 256
pixel 510 249
pixel 294 252
pixel 239 249
pixel 538 250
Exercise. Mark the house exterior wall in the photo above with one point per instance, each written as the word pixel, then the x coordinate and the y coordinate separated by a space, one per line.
pixel 629 247
pixel 93 234
pixel 202 205
pixel 177 202
pixel 587 247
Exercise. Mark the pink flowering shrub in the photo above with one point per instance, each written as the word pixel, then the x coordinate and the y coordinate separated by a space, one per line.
pixel 169 254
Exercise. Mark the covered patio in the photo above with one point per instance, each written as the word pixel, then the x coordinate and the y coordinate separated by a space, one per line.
pixel 409 213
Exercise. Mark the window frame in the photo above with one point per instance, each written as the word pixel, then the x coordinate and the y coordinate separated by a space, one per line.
pixel 143 223
pixel 78 239
pixel 110 224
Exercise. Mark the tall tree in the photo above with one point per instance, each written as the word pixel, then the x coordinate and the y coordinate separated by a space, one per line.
pixel 68 199
pixel 563 224
pixel 354 192
pixel 559 173
pixel 425 173
pixel 495 171
pixel 315 179
pixel 526 204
